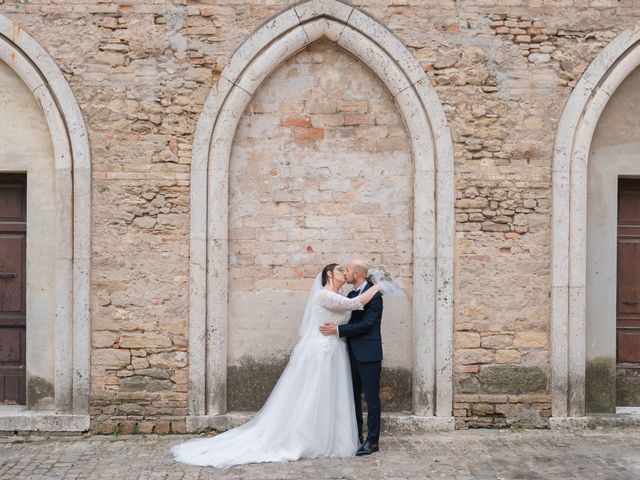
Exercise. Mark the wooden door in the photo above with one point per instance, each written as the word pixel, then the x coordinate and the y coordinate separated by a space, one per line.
pixel 13 233
pixel 628 286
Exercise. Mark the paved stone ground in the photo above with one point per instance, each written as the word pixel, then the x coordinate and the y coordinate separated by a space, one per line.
pixel 468 454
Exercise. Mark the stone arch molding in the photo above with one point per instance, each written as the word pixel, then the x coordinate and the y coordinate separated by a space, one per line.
pixel 72 236
pixel 269 46
pixel 569 230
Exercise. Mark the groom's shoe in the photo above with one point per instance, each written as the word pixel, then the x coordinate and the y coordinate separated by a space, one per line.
pixel 367 448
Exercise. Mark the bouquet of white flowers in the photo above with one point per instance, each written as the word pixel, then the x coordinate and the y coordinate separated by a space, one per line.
pixel 380 276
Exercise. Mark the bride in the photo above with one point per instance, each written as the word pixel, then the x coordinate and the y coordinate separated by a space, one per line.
pixel 310 412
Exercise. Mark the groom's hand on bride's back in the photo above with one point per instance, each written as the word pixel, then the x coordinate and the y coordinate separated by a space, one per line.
pixel 328 329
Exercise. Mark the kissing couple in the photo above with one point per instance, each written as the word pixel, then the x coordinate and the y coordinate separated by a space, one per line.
pixel 315 408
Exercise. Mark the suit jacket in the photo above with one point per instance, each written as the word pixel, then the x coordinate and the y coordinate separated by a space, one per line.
pixel 363 330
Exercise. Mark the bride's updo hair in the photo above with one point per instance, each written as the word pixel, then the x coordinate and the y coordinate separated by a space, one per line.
pixel 325 272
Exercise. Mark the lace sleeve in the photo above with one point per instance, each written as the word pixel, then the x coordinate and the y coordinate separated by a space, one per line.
pixel 338 303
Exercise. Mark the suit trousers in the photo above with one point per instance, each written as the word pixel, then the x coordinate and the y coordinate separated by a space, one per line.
pixel 366 376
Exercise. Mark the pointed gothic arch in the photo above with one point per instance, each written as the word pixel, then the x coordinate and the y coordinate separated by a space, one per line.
pixel 569 225
pixel 369 41
pixel 72 164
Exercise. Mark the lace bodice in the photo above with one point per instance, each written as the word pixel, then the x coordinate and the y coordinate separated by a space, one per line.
pixel 333 308
pixel 336 308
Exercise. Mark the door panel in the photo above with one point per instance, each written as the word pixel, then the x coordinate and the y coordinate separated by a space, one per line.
pixel 628 345
pixel 628 281
pixel 10 341
pixel 13 237
pixel 11 260
pixel 11 203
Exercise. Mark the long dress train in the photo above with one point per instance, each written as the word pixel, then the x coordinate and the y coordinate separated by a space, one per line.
pixel 310 412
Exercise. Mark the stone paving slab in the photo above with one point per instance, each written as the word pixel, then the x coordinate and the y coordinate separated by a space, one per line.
pixel 466 454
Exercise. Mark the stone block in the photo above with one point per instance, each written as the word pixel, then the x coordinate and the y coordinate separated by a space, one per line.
pixel 482 409
pixel 168 360
pixel 497 341
pixel 146 426
pixel 142 384
pixel 327 120
pixel 469 368
pixel 472 203
pixel 508 356
pixel 145 221
pixel 512 379
pixel 129 409
pixel 178 426
pixel 296 121
pixel 466 384
pixel 473 355
pixel 177 220
pixel 108 427
pixel 144 340
pixel 531 339
pixel 152 373
pixel 493 398
pixel 101 339
pixel 139 363
pixel 317 221
pixel 162 427
pixel 308 133
pixel 495 227
pixel 353 106
pixel 466 340
pixel 111 358
pixel 357 119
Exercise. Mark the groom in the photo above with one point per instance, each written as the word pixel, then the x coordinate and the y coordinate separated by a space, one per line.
pixel 365 353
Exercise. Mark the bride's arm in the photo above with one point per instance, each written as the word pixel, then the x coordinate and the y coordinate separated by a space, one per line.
pixel 339 303
pixel 369 294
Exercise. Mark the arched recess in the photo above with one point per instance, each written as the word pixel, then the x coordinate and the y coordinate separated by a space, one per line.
pixel 72 239
pixel 569 231
pixel 370 42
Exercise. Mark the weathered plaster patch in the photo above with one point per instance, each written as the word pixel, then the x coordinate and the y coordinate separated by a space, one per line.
pixel 40 393
pixel 600 385
pixel 251 382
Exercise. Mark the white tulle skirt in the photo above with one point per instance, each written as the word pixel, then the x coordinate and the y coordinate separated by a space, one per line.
pixel 309 414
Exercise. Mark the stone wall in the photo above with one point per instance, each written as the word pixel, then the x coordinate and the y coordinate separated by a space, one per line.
pixel 503 70
pixel 321 171
pixel 501 328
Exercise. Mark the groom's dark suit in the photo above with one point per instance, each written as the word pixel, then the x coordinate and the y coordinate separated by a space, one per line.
pixel 365 354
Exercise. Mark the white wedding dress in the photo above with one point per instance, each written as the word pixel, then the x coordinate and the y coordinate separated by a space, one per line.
pixel 310 412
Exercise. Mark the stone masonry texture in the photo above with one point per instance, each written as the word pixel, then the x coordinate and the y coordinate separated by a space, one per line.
pixel 141 71
pixel 320 171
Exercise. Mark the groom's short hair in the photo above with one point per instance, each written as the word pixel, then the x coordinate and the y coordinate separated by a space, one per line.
pixel 360 265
